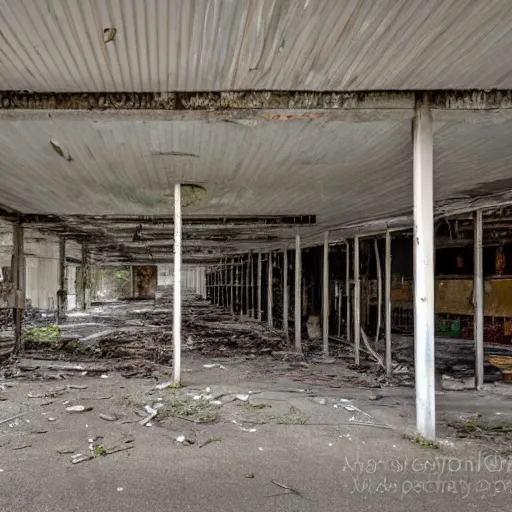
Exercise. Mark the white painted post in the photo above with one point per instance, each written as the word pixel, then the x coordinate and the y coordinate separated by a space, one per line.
pixel 357 302
pixel 325 297
pixel 62 291
pixel 237 288
pixel 213 282
pixel 347 288
pixel 215 287
pixel 251 275
pixel 232 287
pixel 285 294
pixel 241 288
pixel 478 321
pixel 225 296
pixel 18 276
pixel 247 287
pixel 387 298
pixel 259 286
pixel 85 276
pixel 424 324
pixel 298 282
pixel 176 330
pixel 270 297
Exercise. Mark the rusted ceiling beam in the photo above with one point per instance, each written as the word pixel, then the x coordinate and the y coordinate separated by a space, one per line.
pixel 221 220
pixel 252 100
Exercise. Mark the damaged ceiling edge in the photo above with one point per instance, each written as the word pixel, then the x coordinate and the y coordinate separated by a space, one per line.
pixel 94 231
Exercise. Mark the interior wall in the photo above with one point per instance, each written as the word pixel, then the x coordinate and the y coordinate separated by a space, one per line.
pixel 42 270
pixel 145 280
pixel 71 279
pixel 193 277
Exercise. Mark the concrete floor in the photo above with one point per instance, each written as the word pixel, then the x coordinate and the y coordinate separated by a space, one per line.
pixel 317 459
pixel 350 453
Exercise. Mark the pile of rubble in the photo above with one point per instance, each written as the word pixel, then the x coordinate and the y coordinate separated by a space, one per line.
pixel 142 330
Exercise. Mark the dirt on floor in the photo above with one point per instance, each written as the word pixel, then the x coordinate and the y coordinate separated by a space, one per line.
pixel 83 428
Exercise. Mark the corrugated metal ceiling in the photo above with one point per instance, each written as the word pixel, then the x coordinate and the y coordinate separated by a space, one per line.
pixel 203 45
pixel 341 172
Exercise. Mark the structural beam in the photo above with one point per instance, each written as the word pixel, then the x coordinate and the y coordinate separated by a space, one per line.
pixel 424 325
pixel 285 294
pixel 176 330
pixel 325 296
pixel 478 299
pixel 225 285
pixel 270 295
pixel 260 105
pixel 237 287
pixel 232 286
pixel 247 287
pixel 347 289
pixel 259 285
pixel 242 285
pixel 18 281
pixel 251 263
pixel 387 299
pixel 62 292
pixel 298 298
pixel 357 302
pixel 84 277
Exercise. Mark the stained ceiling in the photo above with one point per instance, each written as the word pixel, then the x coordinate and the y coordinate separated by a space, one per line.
pixel 82 165
pixel 207 45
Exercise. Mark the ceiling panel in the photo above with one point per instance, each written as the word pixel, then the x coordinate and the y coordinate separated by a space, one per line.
pixel 338 171
pixel 206 45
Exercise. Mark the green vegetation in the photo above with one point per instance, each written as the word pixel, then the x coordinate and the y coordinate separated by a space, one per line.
pixel 424 443
pixel 98 450
pixel 128 400
pixel 44 334
pixel 256 406
pixel 292 417
pixel 200 411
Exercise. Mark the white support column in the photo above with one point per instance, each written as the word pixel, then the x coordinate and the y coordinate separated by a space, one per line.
pixel 478 299
pixel 225 292
pixel 387 299
pixel 242 281
pixel 285 294
pixel 219 283
pixel 176 330
pixel 270 296
pixel 247 287
pixel 213 282
pixel 214 287
pixel 424 325
pixel 62 291
pixel 259 286
pixel 18 275
pixel 298 298
pixel 357 302
pixel 237 288
pixel 325 297
pixel 347 289
pixel 199 287
pixel 251 275
pixel 85 277
pixel 232 286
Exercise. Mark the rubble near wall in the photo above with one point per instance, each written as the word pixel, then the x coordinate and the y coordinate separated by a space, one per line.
pixel 142 331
